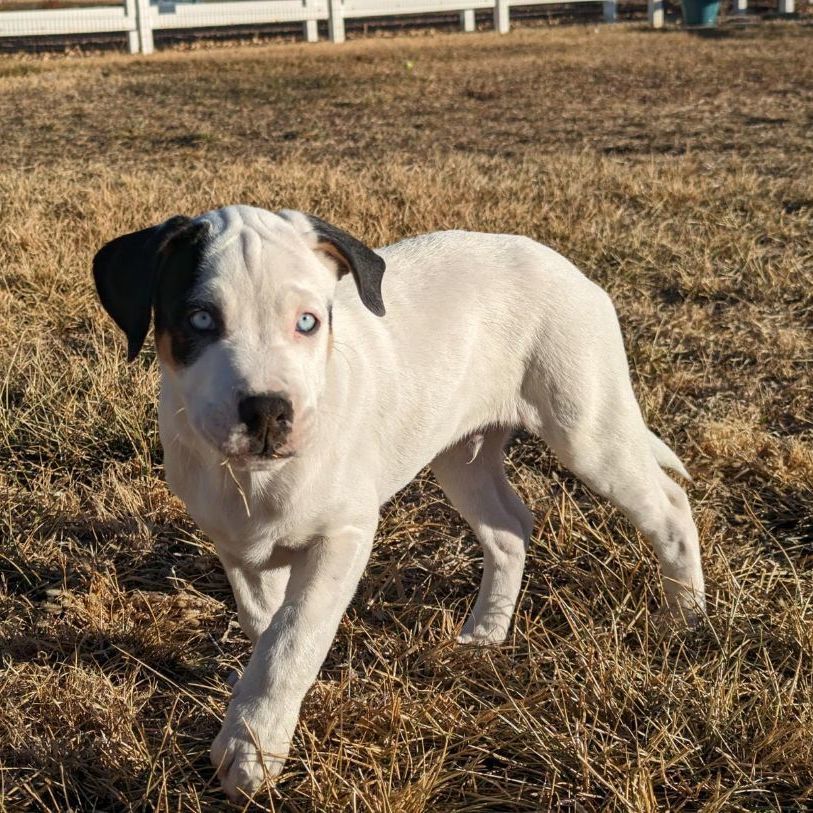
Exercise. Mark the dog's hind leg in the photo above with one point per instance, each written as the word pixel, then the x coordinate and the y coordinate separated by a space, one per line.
pixel 473 478
pixel 625 471
pixel 587 413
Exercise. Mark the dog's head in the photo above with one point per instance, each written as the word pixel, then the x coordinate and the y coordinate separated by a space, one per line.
pixel 241 300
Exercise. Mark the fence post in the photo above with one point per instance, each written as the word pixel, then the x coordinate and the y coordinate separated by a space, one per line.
pixel 143 26
pixel 335 20
pixel 467 19
pixel 310 27
pixel 787 6
pixel 501 20
pixel 132 34
pixel 655 13
pixel 609 8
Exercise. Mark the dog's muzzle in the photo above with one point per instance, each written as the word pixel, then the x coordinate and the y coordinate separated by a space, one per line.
pixel 268 419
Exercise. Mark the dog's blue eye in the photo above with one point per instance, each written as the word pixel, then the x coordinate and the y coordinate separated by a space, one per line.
pixel 307 323
pixel 201 320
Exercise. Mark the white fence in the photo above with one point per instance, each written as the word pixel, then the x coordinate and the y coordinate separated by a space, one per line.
pixel 139 18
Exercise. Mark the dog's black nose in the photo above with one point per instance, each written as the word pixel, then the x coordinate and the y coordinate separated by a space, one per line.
pixel 268 420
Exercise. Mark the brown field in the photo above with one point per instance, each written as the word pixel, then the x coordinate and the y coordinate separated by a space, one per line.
pixel 677 171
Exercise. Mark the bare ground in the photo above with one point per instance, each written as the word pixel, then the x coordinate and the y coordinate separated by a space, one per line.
pixel 677 171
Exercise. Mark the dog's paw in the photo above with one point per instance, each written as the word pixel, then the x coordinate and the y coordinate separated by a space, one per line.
pixel 684 610
pixel 482 634
pixel 250 749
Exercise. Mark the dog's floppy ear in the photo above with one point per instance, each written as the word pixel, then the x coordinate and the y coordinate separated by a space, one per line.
pixel 126 270
pixel 351 255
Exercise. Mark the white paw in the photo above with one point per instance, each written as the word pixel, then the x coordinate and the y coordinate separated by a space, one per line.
pixel 249 750
pixel 685 609
pixel 482 634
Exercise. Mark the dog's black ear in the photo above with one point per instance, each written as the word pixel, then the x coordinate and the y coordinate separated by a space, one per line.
pixel 126 270
pixel 352 255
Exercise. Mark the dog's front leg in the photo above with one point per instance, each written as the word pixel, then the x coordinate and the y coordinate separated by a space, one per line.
pixel 256 734
pixel 258 592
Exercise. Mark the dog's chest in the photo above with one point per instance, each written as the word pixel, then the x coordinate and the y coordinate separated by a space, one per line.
pixel 219 508
pixel 236 518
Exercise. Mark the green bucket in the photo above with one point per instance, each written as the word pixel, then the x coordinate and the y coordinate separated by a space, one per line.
pixel 700 13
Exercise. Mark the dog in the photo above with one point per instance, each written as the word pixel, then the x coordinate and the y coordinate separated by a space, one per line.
pixel 302 387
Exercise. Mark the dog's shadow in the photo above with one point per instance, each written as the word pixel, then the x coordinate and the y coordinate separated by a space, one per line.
pixel 115 627
pixel 139 554
pixel 136 604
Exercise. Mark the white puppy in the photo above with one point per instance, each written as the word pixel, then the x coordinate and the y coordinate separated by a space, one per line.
pixel 292 407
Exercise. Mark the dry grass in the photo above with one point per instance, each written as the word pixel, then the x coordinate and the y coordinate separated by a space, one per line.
pixel 678 172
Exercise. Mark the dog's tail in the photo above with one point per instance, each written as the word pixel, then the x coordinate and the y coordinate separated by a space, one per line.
pixel 666 457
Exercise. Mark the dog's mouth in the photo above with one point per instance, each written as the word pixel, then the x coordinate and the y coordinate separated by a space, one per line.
pixel 258 462
pixel 236 451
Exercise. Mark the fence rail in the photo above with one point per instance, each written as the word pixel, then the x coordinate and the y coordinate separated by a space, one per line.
pixel 139 18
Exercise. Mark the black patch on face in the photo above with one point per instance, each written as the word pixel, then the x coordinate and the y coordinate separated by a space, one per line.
pixel 179 275
pixel 330 317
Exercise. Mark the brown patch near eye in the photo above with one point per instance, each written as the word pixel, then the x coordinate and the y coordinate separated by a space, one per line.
pixel 163 346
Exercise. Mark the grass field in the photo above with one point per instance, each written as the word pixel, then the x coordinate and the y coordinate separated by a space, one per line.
pixel 677 171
